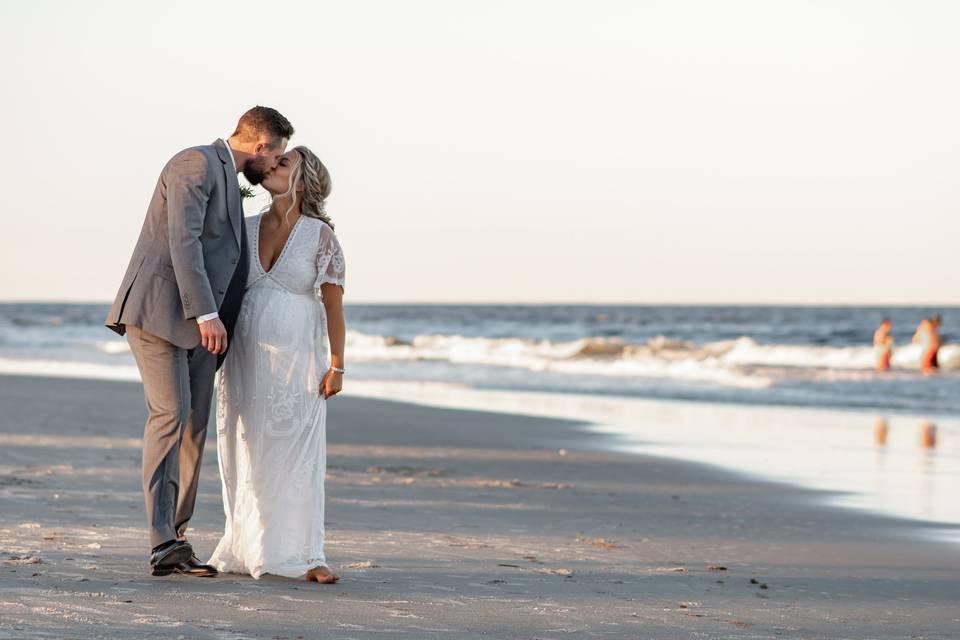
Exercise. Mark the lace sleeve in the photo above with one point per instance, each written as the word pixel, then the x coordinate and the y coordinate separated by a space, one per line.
pixel 331 267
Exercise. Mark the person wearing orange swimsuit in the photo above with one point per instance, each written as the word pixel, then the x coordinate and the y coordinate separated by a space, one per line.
pixel 883 345
pixel 928 336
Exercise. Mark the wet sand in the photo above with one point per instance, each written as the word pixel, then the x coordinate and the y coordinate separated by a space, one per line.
pixel 452 524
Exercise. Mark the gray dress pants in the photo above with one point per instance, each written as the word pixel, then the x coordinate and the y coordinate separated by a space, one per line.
pixel 178 388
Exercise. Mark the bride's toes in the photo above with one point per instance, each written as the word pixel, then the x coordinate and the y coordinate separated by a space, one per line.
pixel 323 575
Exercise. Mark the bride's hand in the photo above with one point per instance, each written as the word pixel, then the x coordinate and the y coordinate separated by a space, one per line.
pixel 331 384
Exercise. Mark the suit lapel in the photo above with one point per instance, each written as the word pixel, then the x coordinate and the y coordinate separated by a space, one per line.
pixel 234 204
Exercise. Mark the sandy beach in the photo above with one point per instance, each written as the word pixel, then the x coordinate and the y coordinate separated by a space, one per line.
pixel 452 524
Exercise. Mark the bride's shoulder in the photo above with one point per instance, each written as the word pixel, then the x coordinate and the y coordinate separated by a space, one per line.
pixel 316 222
pixel 319 227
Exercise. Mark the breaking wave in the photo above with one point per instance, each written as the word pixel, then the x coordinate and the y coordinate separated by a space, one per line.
pixel 740 362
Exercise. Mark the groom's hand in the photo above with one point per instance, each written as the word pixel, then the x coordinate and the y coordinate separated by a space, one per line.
pixel 213 336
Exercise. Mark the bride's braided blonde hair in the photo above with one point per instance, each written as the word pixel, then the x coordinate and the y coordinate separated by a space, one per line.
pixel 315 178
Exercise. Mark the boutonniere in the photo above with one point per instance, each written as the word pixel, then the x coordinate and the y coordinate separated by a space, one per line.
pixel 247 192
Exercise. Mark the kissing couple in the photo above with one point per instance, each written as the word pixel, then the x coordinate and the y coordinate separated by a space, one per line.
pixel 263 297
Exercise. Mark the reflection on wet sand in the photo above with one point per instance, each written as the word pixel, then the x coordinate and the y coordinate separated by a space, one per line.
pixel 836 451
pixel 928 435
pixel 880 429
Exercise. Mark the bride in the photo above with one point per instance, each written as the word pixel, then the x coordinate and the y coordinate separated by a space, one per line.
pixel 275 381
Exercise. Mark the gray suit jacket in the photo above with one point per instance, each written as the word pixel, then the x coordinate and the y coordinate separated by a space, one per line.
pixel 188 249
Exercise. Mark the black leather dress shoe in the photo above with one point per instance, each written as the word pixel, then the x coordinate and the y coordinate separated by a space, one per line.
pixel 193 567
pixel 164 561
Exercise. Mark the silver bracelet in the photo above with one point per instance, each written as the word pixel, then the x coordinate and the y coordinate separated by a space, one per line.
pixel 338 369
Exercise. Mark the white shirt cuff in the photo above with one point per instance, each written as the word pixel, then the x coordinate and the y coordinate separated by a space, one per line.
pixel 207 316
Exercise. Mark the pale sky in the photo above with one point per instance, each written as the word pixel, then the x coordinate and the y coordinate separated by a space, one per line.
pixel 519 151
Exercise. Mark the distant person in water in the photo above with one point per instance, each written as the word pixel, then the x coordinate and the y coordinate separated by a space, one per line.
pixel 927 336
pixel 883 345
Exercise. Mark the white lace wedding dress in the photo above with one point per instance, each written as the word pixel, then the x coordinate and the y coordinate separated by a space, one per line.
pixel 271 415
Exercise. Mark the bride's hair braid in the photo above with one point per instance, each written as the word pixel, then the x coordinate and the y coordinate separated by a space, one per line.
pixel 316 185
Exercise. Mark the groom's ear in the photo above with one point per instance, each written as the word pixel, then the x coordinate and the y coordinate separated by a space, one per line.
pixel 267 145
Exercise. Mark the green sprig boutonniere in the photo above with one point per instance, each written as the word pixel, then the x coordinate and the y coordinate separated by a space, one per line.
pixel 247 192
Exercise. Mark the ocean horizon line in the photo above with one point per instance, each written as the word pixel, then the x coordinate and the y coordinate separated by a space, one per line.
pixel 435 303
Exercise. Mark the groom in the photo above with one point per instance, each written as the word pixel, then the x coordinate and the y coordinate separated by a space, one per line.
pixel 177 306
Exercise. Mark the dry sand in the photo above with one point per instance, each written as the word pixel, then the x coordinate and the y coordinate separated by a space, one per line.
pixel 452 524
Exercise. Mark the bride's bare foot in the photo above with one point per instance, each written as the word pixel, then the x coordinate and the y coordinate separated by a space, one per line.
pixel 322 574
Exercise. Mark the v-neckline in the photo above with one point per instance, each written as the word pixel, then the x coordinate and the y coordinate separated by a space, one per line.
pixel 283 251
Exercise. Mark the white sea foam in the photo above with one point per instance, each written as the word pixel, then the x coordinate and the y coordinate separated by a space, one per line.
pixel 733 362
pixel 742 363
pixel 112 347
pixel 747 352
pixel 61 369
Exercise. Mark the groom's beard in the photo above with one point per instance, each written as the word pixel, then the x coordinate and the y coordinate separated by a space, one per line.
pixel 255 170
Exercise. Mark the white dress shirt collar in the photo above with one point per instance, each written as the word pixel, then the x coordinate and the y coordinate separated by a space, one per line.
pixel 233 161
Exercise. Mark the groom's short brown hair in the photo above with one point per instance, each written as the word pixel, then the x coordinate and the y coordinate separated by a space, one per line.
pixel 263 120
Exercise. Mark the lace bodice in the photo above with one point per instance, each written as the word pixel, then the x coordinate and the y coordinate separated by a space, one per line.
pixel 311 257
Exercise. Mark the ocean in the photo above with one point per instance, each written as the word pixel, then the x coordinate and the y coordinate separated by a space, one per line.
pixel 755 355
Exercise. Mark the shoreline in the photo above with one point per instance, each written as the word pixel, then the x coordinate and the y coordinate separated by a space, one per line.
pixel 680 430
pixel 450 523
pixel 615 419
pixel 85 370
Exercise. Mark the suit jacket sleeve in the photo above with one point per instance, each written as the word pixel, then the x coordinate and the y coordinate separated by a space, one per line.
pixel 189 184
